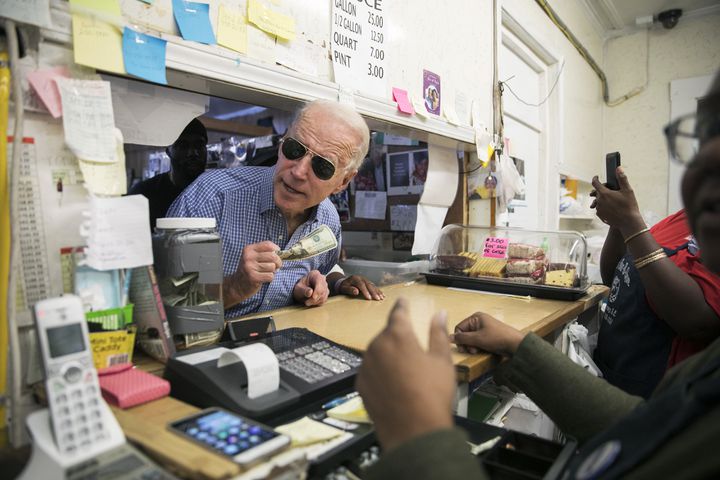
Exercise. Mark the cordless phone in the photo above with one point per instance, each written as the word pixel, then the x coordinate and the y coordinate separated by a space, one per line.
pixel 78 437
pixel 73 391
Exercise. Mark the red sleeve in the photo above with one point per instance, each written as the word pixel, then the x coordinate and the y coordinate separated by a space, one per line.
pixel 672 232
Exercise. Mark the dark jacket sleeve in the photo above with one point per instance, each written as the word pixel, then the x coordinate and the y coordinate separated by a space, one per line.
pixel 578 402
pixel 439 454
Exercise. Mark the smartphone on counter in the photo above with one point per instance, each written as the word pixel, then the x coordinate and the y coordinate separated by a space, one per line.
pixel 242 440
pixel 612 161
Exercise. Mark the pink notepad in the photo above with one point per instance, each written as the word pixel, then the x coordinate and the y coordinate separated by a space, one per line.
pixel 125 386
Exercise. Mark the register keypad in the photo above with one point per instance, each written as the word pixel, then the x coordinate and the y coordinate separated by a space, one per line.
pixel 317 361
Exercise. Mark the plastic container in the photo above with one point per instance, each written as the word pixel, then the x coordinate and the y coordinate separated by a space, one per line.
pixel 511 260
pixel 385 273
pixel 188 262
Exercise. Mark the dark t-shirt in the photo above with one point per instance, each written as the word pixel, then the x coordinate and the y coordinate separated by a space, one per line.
pixel 160 192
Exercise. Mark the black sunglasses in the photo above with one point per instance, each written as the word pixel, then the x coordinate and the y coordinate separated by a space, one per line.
pixel 292 149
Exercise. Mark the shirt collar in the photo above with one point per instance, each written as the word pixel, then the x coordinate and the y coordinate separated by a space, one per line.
pixel 267 201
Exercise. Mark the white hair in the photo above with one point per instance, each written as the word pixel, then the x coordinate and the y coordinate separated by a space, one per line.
pixel 347 115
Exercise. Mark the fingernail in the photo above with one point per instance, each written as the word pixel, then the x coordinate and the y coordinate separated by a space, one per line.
pixel 441 318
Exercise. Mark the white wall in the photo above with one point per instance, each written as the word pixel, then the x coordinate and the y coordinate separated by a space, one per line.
pixel 580 151
pixel 634 128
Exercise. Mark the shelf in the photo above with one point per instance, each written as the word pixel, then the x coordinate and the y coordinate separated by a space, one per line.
pixel 577 217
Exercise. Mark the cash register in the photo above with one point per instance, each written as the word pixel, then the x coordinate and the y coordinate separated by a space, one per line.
pixel 311 368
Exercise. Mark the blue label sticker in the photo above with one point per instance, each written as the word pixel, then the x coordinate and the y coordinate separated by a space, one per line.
pixel 193 20
pixel 144 56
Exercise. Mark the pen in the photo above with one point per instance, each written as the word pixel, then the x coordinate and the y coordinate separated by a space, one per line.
pixel 339 401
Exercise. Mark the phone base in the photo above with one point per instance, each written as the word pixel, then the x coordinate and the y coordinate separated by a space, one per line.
pixel 46 460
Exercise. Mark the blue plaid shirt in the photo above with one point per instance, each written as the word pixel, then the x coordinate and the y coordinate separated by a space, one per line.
pixel 241 200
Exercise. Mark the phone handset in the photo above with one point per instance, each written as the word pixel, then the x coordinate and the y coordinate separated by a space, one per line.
pixel 78 414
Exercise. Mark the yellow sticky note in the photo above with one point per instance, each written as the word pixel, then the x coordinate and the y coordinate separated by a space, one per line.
pixel 232 29
pixel 97 43
pixel 110 7
pixel 106 178
pixel 351 411
pixel 271 21
pixel 307 432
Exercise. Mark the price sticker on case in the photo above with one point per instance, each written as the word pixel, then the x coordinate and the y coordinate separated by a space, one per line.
pixel 495 247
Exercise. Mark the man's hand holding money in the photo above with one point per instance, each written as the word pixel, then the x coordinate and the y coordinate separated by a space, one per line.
pixel 258 264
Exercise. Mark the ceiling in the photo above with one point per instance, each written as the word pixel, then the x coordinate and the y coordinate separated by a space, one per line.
pixel 617 17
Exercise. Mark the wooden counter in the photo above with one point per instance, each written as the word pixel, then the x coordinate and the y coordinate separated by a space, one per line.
pixel 355 322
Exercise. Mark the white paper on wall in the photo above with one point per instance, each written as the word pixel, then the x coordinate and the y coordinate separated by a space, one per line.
pixel 438 195
pixel 88 119
pixel 151 114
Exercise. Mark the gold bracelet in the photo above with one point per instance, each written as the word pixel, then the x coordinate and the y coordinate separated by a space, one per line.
pixel 645 257
pixel 636 234
pixel 650 260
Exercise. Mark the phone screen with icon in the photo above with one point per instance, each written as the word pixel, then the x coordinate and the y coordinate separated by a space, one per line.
pixel 228 434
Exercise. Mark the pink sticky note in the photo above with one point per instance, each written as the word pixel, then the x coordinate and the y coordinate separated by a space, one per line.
pixel 495 247
pixel 43 82
pixel 403 102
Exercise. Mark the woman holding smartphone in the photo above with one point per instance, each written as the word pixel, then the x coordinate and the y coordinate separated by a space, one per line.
pixel 664 304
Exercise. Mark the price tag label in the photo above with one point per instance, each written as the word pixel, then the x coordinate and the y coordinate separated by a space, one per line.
pixel 495 247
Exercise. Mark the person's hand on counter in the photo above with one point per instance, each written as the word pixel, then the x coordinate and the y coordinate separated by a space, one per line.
pixel 407 391
pixel 257 266
pixel 483 332
pixel 312 289
pixel 356 285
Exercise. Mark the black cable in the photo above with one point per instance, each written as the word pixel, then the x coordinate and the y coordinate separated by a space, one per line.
pixel 552 89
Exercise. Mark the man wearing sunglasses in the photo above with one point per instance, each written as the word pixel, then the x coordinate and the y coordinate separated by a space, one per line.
pixel 260 211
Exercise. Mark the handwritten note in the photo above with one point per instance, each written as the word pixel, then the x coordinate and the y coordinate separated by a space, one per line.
pixel 118 233
pixel 34 12
pixel 495 247
pixel 96 43
pixel 403 102
pixel 370 205
pixel 106 178
pixel 144 56
pixel 88 119
pixel 271 21
pixel 232 29
pixel 193 20
pixel 43 82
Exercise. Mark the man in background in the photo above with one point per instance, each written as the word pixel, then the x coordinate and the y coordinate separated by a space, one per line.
pixel 188 156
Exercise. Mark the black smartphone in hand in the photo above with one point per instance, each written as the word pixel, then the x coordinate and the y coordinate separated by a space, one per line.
pixel 612 161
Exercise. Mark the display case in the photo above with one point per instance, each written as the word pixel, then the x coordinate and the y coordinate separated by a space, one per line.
pixel 510 260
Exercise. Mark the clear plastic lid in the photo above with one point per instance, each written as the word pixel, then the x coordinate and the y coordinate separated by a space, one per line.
pixel 177 223
pixel 512 255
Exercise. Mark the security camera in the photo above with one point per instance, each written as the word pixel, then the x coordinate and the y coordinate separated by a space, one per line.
pixel 670 18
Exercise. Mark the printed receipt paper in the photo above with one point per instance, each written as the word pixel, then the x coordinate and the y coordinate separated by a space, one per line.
pixel 261 364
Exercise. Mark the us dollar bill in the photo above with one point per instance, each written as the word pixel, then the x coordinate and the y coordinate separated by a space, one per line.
pixel 320 240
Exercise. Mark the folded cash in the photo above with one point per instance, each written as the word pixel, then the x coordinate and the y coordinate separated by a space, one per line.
pixel 320 240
